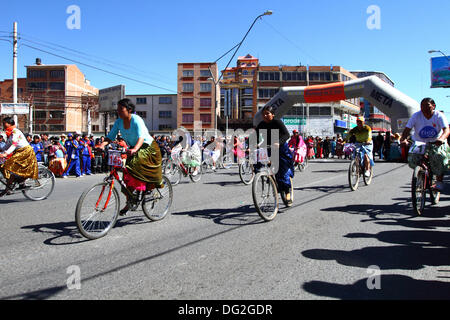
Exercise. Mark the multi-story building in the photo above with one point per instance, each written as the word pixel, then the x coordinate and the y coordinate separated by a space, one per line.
pixel 197 98
pixel 6 96
pixel 62 98
pixel 158 111
pixel 249 86
pixel 376 119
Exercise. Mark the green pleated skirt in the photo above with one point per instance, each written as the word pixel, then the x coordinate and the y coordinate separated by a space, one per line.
pixel 145 164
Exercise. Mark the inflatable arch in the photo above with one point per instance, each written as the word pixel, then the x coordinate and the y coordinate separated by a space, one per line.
pixel 395 104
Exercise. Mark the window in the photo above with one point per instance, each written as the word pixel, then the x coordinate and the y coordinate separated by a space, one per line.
pixel 56 127
pixel 188 118
pixel 205 87
pixel 245 73
pixel 188 87
pixel 187 102
pixel 33 74
pixel 335 76
pixel 96 128
pixel 266 93
pixel 247 91
pixel 294 76
pixel 205 102
pixel 319 111
pixel 40 114
pixel 57 74
pixel 56 114
pixel 165 100
pixel 247 102
pixel 205 73
pixel 206 118
pixel 57 86
pixel 271 76
pixel 188 73
pixel 165 114
pixel 142 114
pixel 164 127
pixel 37 85
pixel 141 100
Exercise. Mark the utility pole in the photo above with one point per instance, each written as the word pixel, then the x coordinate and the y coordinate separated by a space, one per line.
pixel 15 68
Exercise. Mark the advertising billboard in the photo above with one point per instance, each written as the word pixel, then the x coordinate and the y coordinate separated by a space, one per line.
pixel 108 98
pixel 440 72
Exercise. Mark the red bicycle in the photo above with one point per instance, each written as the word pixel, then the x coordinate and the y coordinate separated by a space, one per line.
pixel 98 207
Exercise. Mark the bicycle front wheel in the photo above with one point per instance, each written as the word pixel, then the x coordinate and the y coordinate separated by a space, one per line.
pixel 265 196
pixel 157 202
pixel 418 190
pixel 173 172
pixel 41 188
pixel 197 176
pixel 97 210
pixel 353 174
pixel 246 172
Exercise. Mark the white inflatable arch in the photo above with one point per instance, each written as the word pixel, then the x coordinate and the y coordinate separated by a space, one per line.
pixel 395 104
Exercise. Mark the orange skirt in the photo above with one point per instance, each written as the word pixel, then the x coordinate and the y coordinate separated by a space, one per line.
pixel 57 166
pixel 22 163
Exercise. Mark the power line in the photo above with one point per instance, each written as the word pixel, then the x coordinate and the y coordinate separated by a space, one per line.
pixel 292 42
pixel 100 69
pixel 42 42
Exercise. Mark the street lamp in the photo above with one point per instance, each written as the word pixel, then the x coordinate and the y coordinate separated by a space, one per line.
pixel 267 13
pixel 439 51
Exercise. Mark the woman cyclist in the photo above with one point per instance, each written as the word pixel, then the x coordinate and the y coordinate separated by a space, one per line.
pixel 21 162
pixel 144 156
pixel 286 161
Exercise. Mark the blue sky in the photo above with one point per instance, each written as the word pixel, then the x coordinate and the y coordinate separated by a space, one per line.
pixel 145 40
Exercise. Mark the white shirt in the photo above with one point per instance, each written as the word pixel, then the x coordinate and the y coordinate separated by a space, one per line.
pixel 16 141
pixel 427 130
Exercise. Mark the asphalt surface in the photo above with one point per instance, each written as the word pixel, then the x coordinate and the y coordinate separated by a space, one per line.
pixel 332 244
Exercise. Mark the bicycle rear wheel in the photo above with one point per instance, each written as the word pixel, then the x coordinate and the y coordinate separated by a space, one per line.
pixel 173 173
pixel 227 162
pixel 265 196
pixel 97 210
pixel 368 180
pixel 283 195
pixel 157 202
pixel 435 195
pixel 246 172
pixel 418 190
pixel 353 174
pixel 197 176
pixel 41 188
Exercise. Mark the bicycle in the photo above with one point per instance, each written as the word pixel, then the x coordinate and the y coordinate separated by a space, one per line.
pixel 356 168
pixel 35 190
pixel 246 171
pixel 423 179
pixel 175 168
pixel 98 207
pixel 264 188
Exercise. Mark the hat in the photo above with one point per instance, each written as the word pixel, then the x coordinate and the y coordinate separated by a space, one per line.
pixel 294 131
pixel 63 135
pixel 360 118
pixel 70 135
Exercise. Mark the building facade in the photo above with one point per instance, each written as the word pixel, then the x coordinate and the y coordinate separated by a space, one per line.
pixel 376 119
pixel 249 86
pixel 197 99
pixel 62 98
pixel 158 111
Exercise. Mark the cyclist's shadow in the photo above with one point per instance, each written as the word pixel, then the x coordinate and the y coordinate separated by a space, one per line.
pixel 243 215
pixel 66 233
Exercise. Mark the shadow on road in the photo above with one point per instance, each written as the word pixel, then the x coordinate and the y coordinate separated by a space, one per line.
pixel 392 287
pixel 243 215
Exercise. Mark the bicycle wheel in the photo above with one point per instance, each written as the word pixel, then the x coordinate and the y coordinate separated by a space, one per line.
pixel 353 174
pixel 173 172
pixel 283 195
pixel 246 172
pixel 435 195
pixel 265 196
pixel 197 176
pixel 41 188
pixel 157 202
pixel 418 190
pixel 227 162
pixel 97 210
pixel 368 180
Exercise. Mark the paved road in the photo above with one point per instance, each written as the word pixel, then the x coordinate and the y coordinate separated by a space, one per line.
pixel 213 245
